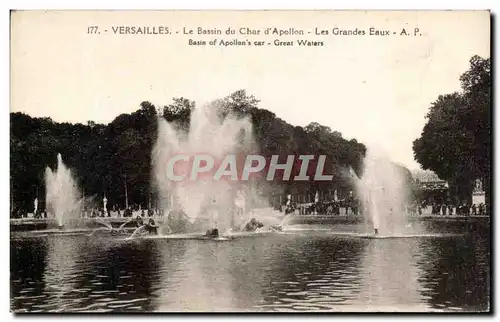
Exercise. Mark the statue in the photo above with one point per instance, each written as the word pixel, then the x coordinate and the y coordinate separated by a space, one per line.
pixel 105 203
pixel 478 186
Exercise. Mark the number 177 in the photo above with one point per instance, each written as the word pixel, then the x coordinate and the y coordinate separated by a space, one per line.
pixel 92 30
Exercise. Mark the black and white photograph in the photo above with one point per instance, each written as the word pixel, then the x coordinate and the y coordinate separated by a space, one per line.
pixel 180 161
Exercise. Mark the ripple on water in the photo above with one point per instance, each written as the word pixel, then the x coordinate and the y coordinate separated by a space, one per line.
pixel 296 274
pixel 105 292
pixel 296 293
pixel 105 299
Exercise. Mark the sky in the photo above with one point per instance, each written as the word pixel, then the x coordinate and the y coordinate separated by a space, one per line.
pixel 375 89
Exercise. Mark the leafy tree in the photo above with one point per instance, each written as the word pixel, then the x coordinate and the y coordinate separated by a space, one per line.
pixel 456 141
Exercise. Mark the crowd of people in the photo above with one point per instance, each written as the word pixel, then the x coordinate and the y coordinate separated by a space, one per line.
pixel 320 207
pixel 127 212
pixel 463 209
pixel 100 212
pixel 343 208
pixel 324 207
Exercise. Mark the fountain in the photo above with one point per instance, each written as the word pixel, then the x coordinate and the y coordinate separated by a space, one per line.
pixel 62 197
pixel 205 202
pixel 383 192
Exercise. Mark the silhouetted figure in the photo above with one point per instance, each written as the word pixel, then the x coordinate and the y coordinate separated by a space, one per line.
pixel 329 210
pixel 276 227
pixel 481 209
pixel 151 227
pixel 289 209
pixel 253 225
pixel 213 233
pixel 474 209
pixel 138 221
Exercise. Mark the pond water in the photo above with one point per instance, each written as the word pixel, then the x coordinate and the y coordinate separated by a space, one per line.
pixel 308 269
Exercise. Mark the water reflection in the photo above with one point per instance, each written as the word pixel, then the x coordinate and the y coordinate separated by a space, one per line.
pixel 311 273
pixel 273 273
pixel 27 268
pixel 389 274
pixel 195 277
pixel 120 276
pixel 455 275
pixel 61 272
pixel 170 260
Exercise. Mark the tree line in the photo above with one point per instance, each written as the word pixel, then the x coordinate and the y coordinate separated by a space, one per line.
pixel 106 157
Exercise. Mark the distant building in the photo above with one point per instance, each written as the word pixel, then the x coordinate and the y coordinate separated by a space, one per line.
pixel 430 188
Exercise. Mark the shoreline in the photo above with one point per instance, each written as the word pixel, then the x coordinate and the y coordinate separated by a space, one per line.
pixel 31 224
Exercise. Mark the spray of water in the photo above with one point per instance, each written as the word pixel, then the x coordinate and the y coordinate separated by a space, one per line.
pixel 383 192
pixel 62 196
pixel 205 202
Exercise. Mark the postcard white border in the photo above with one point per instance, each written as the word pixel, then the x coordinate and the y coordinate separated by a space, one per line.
pixel 205 5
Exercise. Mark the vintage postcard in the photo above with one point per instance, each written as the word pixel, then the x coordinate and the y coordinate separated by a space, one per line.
pixel 250 161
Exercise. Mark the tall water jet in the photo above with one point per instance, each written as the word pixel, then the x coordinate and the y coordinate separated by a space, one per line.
pixel 62 196
pixel 383 191
pixel 205 201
